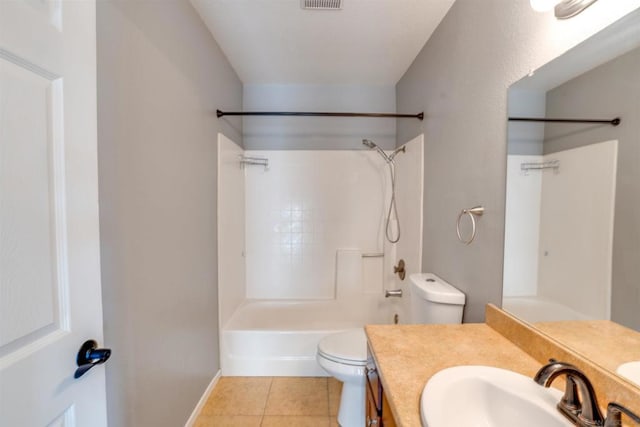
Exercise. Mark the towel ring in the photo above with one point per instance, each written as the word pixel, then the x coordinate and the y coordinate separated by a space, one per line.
pixel 473 212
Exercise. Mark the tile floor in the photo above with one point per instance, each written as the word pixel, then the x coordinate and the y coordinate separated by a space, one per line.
pixel 271 402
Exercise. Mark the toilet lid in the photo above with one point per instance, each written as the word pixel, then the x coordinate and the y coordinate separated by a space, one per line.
pixel 349 346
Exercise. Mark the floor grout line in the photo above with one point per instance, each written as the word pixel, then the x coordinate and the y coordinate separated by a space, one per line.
pixel 328 400
pixel 264 409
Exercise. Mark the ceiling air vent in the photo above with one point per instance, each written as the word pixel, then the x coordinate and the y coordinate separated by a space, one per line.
pixel 322 4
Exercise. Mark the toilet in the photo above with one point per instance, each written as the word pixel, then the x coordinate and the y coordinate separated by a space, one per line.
pixel 435 301
pixel 344 355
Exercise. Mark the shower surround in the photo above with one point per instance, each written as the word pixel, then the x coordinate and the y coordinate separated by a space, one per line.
pixel 302 252
pixel 559 234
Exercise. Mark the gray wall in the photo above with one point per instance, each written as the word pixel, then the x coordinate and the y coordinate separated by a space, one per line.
pixel 161 77
pixel 318 133
pixel 460 80
pixel 610 90
pixel 525 138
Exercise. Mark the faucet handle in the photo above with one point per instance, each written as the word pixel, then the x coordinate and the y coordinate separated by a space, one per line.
pixel 399 269
pixel 614 412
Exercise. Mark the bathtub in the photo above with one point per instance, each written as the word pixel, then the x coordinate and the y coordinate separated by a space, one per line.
pixel 280 338
pixel 538 309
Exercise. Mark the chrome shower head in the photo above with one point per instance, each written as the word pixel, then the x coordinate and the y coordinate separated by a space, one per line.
pixel 369 143
pixel 385 156
pixel 380 151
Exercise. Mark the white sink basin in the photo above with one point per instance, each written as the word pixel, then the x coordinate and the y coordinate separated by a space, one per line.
pixel 482 396
pixel 630 371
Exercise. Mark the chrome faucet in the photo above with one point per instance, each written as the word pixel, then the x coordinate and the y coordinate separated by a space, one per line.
pixel 393 293
pixel 583 414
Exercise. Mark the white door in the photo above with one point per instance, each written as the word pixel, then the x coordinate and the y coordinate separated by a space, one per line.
pixel 50 298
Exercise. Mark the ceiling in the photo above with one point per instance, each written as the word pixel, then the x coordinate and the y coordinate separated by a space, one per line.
pixel 368 42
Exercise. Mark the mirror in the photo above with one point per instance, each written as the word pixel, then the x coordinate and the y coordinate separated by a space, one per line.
pixel 572 223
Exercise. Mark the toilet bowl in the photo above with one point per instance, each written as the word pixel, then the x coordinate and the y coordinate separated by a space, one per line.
pixel 344 357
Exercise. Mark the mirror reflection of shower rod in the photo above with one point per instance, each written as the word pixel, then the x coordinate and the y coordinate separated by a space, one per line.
pixel 254 161
pixel 612 122
pixel 551 164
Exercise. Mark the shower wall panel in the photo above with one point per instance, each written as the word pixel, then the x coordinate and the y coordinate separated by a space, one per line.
pixel 576 229
pixel 301 210
pixel 231 230
pixel 522 227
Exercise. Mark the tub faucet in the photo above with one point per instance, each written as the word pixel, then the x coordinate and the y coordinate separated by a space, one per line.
pixel 393 293
pixel 583 414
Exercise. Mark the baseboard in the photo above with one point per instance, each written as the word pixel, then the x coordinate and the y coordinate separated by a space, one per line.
pixel 196 411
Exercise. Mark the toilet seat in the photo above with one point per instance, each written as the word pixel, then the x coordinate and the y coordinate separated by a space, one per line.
pixel 348 348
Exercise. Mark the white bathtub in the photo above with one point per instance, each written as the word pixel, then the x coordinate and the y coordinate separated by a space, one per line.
pixel 538 309
pixel 279 338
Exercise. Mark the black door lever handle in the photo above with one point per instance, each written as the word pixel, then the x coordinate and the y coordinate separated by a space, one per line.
pixel 89 356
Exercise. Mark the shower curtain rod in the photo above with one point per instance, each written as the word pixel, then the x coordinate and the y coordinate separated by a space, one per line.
pixel 613 122
pixel 419 116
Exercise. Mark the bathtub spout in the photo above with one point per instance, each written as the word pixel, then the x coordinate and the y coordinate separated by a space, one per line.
pixel 393 293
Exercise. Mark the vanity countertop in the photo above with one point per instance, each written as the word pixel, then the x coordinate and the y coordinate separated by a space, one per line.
pixel 408 355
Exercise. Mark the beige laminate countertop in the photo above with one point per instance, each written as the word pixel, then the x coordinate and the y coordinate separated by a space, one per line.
pixel 408 355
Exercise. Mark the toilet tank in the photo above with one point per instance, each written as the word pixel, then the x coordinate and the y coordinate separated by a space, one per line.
pixel 435 301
